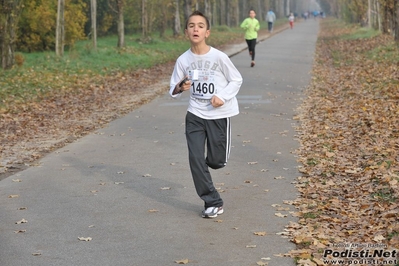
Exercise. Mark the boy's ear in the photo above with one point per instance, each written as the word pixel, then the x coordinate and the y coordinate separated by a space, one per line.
pixel 207 33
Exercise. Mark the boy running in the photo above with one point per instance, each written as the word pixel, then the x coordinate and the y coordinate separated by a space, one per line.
pixel 213 83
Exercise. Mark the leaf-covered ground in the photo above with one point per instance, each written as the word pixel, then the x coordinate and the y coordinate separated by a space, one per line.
pixel 349 149
pixel 38 127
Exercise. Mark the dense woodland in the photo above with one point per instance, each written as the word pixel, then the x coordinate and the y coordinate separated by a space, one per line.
pixel 43 25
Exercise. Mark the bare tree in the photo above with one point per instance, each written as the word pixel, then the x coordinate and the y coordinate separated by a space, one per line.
pixel 9 14
pixel 118 7
pixel 60 29
pixel 93 5
pixel 144 19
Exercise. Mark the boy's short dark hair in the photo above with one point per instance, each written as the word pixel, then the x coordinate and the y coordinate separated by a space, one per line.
pixel 199 13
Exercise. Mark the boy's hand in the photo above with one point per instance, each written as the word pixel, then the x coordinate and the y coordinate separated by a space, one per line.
pixel 185 84
pixel 216 101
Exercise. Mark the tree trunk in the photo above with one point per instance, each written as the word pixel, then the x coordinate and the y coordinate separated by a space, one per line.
pixel 94 23
pixel 223 16
pixel 244 10
pixel 378 9
pixel 280 8
pixel 144 19
pixel 177 25
pixel 9 14
pixel 208 12
pixel 215 19
pixel 259 12
pixel 121 24
pixel 60 30
pixel 162 22
pixel 187 9
pixel 397 23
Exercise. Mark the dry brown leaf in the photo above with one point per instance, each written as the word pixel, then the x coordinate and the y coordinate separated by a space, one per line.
pixel 260 233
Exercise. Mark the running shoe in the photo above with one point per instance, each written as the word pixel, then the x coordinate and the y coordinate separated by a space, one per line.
pixel 212 212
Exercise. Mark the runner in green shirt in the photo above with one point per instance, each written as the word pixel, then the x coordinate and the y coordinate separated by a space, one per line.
pixel 251 26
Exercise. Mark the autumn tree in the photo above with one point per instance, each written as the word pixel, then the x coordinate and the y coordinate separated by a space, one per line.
pixel 9 14
pixel 37 25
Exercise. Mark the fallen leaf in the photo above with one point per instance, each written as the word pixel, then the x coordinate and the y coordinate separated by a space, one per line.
pixel 184 261
pixel 153 210
pixel 280 215
pixel 252 163
pixel 85 239
pixel 147 175
pixel 13 196
pixel 20 231
pixel 260 233
pixel 23 221
pixel 250 246
pixel 165 188
pixel 379 238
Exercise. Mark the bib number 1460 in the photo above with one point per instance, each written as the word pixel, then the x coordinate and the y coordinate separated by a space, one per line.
pixel 203 88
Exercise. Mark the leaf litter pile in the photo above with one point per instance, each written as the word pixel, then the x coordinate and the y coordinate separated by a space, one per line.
pixel 349 152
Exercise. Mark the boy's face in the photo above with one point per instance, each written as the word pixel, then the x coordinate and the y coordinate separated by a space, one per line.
pixel 196 29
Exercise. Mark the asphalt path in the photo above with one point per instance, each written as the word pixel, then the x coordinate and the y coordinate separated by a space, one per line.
pixel 124 194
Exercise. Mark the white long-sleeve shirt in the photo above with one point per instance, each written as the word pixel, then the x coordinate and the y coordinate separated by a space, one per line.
pixel 216 76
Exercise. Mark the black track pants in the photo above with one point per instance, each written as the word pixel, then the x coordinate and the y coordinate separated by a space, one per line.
pixel 215 136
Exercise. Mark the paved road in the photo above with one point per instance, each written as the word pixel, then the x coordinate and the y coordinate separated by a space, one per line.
pixel 129 189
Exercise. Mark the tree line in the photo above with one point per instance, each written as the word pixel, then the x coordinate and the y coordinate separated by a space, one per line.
pixel 43 25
